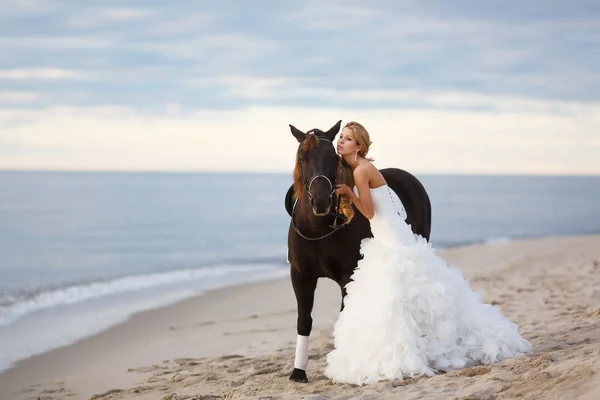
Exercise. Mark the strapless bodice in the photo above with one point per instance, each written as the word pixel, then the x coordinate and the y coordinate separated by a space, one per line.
pixel 388 224
pixel 386 202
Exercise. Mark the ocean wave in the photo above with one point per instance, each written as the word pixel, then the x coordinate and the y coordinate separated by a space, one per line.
pixel 13 307
pixel 497 240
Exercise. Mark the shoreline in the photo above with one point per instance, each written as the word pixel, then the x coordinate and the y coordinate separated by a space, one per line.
pixel 254 320
pixel 276 274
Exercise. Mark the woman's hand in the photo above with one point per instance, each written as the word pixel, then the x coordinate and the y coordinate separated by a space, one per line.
pixel 343 189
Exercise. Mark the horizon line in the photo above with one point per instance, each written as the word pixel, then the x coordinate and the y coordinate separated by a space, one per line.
pixel 279 172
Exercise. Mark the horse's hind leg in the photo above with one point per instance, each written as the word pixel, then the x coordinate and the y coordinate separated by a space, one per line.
pixel 304 289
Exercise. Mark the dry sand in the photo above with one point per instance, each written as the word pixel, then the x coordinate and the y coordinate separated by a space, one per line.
pixel 239 342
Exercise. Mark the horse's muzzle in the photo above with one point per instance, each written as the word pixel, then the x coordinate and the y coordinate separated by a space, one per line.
pixel 321 209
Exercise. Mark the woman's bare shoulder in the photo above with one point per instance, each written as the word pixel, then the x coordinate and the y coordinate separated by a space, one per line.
pixel 367 169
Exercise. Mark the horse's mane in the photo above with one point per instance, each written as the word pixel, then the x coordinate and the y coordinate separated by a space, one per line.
pixel 310 142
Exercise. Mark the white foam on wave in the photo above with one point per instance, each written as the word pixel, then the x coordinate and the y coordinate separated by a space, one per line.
pixel 80 293
pixel 497 240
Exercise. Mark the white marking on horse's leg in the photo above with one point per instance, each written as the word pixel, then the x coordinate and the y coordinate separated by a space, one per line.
pixel 301 360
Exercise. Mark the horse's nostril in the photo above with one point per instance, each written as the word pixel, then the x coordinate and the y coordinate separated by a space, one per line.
pixel 321 208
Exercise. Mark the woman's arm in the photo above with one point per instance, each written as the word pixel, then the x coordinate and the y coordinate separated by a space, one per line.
pixel 364 201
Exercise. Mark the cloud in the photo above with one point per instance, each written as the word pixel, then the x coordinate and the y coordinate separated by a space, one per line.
pixel 258 139
pixel 15 8
pixel 19 97
pixel 99 17
pixel 131 77
pixel 57 43
pixel 494 50
pixel 39 74
pixel 289 90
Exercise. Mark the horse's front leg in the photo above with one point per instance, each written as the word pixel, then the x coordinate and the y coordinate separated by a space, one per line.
pixel 304 289
pixel 343 282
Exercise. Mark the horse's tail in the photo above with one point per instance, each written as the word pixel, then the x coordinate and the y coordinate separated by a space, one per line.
pixel 427 214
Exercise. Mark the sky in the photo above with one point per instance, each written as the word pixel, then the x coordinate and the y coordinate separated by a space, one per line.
pixel 468 87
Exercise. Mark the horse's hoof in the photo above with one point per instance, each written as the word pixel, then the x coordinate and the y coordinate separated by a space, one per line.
pixel 299 375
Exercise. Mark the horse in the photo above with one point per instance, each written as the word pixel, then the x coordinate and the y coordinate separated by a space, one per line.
pixel 319 246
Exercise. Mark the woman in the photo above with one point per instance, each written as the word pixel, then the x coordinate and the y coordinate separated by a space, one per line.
pixel 406 313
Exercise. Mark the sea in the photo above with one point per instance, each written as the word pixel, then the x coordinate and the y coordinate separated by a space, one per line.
pixel 83 251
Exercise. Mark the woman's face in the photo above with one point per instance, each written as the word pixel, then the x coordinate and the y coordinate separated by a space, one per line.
pixel 346 143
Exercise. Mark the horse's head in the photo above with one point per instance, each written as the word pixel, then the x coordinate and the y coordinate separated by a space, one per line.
pixel 316 167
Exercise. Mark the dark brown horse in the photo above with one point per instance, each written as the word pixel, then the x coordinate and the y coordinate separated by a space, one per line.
pixel 320 244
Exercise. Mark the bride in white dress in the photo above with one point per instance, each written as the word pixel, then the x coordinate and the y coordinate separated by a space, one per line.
pixel 407 312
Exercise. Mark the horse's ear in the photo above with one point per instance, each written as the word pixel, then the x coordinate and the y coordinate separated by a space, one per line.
pixel 330 134
pixel 298 134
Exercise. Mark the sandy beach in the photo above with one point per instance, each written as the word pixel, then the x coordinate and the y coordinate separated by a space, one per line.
pixel 238 342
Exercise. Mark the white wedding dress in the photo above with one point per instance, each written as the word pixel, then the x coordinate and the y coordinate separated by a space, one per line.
pixel 408 313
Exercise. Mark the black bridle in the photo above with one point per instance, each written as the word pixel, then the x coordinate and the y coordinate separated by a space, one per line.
pixel 335 226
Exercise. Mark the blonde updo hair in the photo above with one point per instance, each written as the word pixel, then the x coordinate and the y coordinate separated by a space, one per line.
pixel 363 139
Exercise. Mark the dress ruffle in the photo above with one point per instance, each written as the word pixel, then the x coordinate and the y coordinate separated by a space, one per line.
pixel 408 313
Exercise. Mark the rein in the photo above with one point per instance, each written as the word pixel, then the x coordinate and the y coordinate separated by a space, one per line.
pixel 335 226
